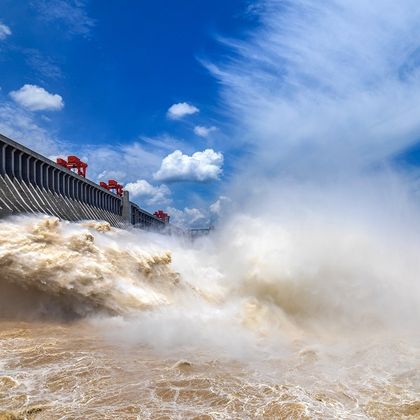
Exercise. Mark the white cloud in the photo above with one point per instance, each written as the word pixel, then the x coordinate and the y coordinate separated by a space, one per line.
pixel 189 217
pixel 200 166
pixel 5 31
pixel 152 195
pixel 36 98
pixel 203 131
pixel 177 111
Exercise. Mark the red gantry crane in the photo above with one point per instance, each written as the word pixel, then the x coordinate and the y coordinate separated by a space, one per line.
pixel 160 214
pixel 113 186
pixel 73 163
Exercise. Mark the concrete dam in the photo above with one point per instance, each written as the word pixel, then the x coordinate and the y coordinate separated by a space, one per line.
pixel 31 183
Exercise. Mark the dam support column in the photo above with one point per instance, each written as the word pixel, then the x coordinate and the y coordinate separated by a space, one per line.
pixel 126 207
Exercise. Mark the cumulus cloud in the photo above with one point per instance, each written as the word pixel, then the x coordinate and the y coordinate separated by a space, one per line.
pixel 200 166
pixel 203 131
pixel 36 98
pixel 152 195
pixel 5 31
pixel 181 109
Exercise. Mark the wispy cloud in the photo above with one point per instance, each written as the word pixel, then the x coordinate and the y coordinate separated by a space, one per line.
pixel 180 110
pixel 23 127
pixel 36 98
pixel 200 166
pixel 5 31
pixel 42 64
pixel 70 13
pixel 324 87
pixel 126 162
pixel 164 142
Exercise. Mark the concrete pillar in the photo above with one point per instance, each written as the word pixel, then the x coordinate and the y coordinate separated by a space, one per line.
pixel 126 207
pixel 28 169
pixel 20 166
pixel 41 175
pixel 3 159
pixel 54 190
pixel 47 178
pixel 13 161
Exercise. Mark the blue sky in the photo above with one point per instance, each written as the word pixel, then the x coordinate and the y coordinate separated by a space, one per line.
pixel 118 70
pixel 197 104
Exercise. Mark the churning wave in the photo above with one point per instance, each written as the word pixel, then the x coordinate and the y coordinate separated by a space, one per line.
pixel 283 282
pixel 54 268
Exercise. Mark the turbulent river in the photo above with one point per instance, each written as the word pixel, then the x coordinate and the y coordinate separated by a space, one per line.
pixel 284 322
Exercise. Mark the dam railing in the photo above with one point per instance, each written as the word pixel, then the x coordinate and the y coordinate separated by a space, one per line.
pixel 32 183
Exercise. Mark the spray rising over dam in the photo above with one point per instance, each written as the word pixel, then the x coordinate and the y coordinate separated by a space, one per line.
pixel 31 183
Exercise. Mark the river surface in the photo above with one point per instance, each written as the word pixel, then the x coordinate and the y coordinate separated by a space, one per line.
pixel 70 371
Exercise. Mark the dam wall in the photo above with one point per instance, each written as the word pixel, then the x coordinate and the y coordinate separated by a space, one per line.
pixel 31 183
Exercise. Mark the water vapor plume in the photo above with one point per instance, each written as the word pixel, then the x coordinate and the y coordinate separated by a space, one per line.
pixel 325 99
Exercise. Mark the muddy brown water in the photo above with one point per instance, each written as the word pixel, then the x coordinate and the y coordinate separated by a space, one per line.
pixel 70 371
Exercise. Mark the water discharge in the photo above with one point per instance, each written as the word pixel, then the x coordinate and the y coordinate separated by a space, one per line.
pixel 287 322
pixel 77 270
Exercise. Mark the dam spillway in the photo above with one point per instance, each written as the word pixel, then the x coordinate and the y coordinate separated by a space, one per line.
pixel 32 183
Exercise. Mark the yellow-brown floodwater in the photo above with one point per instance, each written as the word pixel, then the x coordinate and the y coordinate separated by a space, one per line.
pixel 98 323
pixel 53 371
